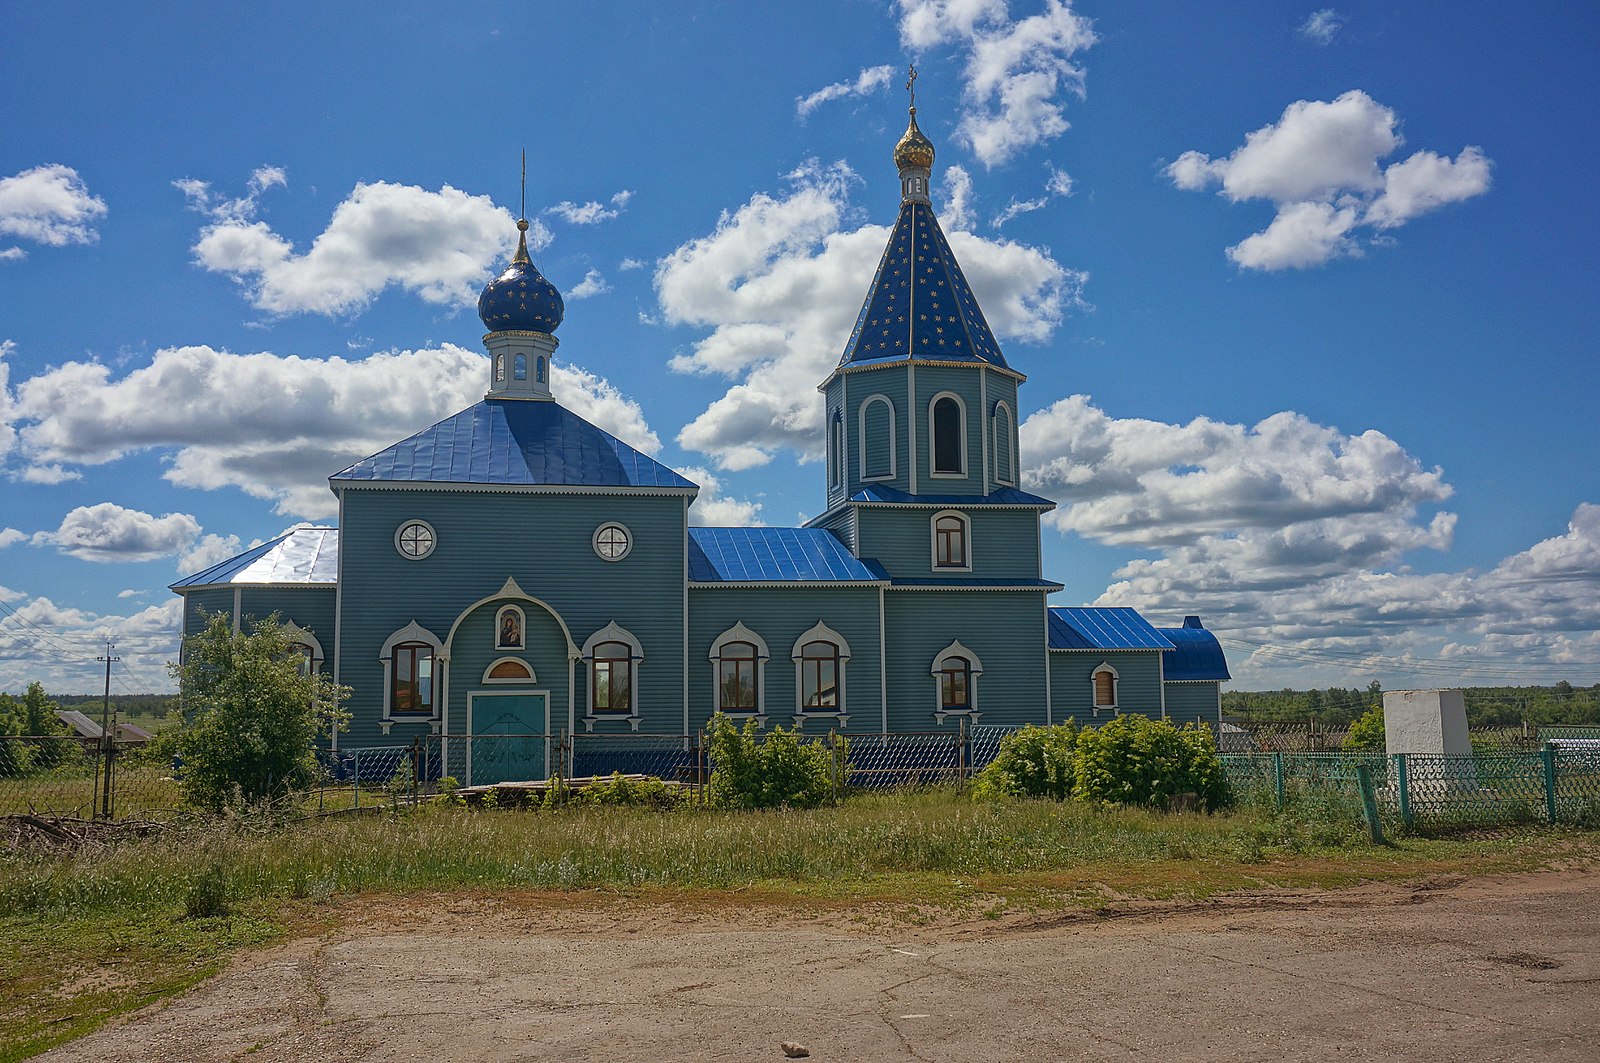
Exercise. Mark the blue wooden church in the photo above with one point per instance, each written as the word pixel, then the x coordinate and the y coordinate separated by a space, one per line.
pixel 516 570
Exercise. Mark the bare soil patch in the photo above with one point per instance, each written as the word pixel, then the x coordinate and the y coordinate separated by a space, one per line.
pixel 1500 967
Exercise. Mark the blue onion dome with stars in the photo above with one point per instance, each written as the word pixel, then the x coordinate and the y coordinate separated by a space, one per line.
pixel 520 299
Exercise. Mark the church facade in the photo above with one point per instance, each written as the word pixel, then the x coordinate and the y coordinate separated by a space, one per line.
pixel 516 570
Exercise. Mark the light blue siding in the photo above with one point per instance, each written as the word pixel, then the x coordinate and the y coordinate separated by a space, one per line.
pixel 1002 544
pixel 1196 700
pixel 1006 631
pixel 1072 690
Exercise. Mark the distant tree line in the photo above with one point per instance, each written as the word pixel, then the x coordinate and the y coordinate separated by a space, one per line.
pixel 1339 707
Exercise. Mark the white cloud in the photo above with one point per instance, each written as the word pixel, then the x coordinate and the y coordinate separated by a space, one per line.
pixel 206 551
pixel 956 192
pixel 110 533
pixel 1320 27
pixel 868 81
pixel 1319 165
pixel 49 205
pixel 12 254
pixel 592 284
pixel 1058 184
pixel 275 426
pixel 129 593
pixel 711 509
pixel 1015 72
pixel 56 645
pixel 779 282
pixel 592 212
pixel 631 264
pixel 11 537
pixel 439 246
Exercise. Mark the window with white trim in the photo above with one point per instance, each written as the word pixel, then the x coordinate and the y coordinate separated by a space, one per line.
pixel 836 450
pixel 820 656
pixel 411 664
pixel 415 539
pixel 1004 461
pixel 955 679
pixel 738 662
pixel 877 442
pixel 951 549
pixel 613 657
pixel 1105 681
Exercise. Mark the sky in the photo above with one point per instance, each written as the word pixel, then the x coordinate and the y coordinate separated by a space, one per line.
pixel 1305 294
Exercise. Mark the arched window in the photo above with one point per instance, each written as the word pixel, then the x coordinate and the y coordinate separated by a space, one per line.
pixel 305 657
pixel 509 670
pixel 614 656
pixel 539 369
pixel 955 678
pixel 950 542
pixel 836 450
pixel 819 677
pixel 611 678
pixel 736 677
pixel 948 420
pixel 877 440
pixel 955 685
pixel 1003 470
pixel 499 368
pixel 411 679
pixel 1106 681
pixel 411 667
pixel 820 656
pixel 519 367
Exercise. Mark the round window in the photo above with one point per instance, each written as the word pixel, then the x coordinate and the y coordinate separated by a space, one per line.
pixel 612 542
pixel 414 539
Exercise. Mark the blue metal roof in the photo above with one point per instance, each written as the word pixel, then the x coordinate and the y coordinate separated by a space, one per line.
pixel 957 583
pixel 920 305
pixel 1197 653
pixel 774 555
pixel 515 442
pixel 1117 628
pixel 298 556
pixel 1000 496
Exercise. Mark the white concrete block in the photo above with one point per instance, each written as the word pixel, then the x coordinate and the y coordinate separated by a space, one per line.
pixel 1425 721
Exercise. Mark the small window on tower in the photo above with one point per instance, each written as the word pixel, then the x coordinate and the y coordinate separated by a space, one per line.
pixel 520 370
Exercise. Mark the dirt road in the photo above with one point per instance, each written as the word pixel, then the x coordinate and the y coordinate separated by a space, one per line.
pixel 1493 968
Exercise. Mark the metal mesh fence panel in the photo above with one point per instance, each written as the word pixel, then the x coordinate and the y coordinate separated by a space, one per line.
pixel 49 776
pixel 674 758
pixel 983 745
pixel 883 760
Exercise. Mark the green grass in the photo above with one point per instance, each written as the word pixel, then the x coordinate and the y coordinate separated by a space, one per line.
pixel 126 907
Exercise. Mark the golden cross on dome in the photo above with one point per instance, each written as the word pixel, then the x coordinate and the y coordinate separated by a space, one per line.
pixel 911 86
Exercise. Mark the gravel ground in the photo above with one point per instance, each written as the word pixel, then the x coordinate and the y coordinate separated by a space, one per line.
pixel 1449 969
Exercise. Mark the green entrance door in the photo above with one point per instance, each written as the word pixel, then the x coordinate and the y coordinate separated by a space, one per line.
pixel 508 743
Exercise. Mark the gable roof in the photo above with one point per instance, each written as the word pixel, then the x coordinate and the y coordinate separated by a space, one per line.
pixel 920 305
pixel 774 555
pixel 299 555
pixel 1115 628
pixel 514 443
pixel 1196 653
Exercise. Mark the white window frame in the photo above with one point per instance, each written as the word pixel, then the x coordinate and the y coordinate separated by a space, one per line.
pixel 1010 472
pixel 412 632
pixel 739 633
pixel 819 632
pixel 594 540
pixel 861 427
pixel 531 677
pixel 297 634
pixel 836 470
pixel 933 540
pixel 933 464
pixel 974 670
pixel 1116 689
pixel 612 632
pixel 433 539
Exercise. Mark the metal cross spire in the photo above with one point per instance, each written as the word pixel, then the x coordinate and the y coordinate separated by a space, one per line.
pixel 911 85
pixel 524 209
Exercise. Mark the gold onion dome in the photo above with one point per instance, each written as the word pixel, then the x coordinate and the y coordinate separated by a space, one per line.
pixel 914 149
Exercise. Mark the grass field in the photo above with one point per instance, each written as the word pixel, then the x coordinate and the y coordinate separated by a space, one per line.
pixel 87 936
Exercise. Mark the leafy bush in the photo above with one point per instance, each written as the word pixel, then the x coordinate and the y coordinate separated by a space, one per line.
pixel 619 790
pixel 775 769
pixel 1032 762
pixel 1366 734
pixel 1134 760
pixel 255 716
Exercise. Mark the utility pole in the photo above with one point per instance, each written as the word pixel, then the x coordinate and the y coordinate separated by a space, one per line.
pixel 105 732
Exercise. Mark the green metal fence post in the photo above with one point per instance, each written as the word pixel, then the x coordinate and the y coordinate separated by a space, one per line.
pixel 1548 755
pixel 1369 804
pixel 1402 780
pixel 1277 778
pixel 355 774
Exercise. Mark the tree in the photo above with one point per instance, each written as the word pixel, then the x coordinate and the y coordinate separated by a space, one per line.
pixel 39 712
pixel 1366 734
pixel 254 716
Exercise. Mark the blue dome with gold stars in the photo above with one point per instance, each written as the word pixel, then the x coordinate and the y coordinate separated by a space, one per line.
pixel 520 299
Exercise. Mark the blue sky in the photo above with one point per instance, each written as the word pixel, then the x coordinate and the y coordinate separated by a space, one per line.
pixel 1303 293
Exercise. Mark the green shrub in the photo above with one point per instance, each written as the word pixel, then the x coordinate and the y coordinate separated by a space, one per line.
pixel 1366 733
pixel 1032 762
pixel 775 769
pixel 619 790
pixel 207 895
pixel 1134 760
